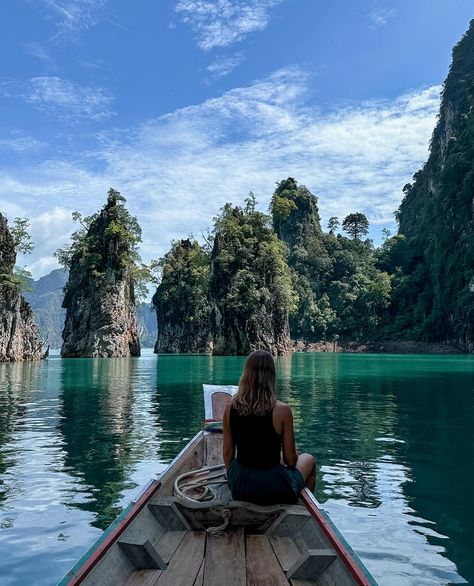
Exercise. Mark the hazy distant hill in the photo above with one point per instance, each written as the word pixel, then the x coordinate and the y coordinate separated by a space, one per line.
pixel 46 298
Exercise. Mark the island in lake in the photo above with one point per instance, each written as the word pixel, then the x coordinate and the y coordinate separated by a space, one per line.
pixel 277 281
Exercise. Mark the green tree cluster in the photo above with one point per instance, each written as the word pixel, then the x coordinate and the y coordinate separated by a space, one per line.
pixel 250 280
pixel 109 239
pixel 182 295
pixel 340 290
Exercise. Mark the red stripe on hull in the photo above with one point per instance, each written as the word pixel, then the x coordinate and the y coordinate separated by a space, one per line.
pixel 100 551
pixel 310 503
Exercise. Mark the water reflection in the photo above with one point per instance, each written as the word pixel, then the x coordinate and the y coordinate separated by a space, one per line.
pixel 96 424
pixel 17 385
pixel 392 436
pixel 178 406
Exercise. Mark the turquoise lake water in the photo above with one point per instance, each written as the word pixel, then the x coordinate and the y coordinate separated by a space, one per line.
pixel 393 437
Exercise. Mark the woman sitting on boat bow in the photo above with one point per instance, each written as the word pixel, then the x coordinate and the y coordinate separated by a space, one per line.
pixel 260 429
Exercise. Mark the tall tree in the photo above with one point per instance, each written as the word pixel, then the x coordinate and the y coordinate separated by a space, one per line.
pixel 356 225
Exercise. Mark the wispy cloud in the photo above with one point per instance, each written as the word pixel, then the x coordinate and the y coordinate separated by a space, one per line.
pixel 40 52
pixel 222 66
pixel 379 16
pixel 179 169
pixel 74 15
pixel 62 99
pixel 19 143
pixel 220 23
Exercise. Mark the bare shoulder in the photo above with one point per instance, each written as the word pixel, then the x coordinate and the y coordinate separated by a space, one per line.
pixel 282 410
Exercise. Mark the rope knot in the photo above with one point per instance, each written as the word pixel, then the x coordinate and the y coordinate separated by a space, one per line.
pixel 219 530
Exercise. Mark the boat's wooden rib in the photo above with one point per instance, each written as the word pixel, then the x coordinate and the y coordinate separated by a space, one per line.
pixel 162 540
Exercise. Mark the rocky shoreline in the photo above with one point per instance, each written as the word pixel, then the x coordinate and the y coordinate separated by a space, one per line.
pixel 385 347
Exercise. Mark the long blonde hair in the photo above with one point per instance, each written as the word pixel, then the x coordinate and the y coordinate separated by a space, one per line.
pixel 256 394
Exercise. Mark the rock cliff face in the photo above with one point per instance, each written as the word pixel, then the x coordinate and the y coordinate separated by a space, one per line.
pixel 181 301
pixel 436 298
pixel 19 339
pixel 99 296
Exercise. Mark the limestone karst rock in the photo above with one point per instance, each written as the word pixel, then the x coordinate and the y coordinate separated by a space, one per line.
pixel 99 296
pixel 181 300
pixel 19 339
pixel 435 250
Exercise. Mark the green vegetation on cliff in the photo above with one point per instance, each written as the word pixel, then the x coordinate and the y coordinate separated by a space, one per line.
pixel 432 257
pixel 340 291
pixel 250 287
pixel 104 271
pixel 181 300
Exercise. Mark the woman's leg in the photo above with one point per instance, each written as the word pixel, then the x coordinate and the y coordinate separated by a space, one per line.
pixel 307 466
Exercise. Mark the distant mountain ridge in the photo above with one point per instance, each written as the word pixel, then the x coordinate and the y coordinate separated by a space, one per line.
pixel 46 297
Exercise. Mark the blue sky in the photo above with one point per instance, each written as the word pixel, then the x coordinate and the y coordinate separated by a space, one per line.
pixel 185 104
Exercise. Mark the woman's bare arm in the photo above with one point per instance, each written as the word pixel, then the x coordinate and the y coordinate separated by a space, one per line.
pixel 229 448
pixel 290 455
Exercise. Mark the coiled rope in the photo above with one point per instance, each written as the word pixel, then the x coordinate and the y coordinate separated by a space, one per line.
pixel 195 487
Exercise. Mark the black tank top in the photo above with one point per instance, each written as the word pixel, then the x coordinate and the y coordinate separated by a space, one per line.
pixel 258 444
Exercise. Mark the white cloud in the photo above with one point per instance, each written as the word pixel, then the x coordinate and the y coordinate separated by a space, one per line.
pixel 74 15
pixel 379 16
pixel 179 169
pixel 61 98
pixel 19 143
pixel 219 23
pixel 222 66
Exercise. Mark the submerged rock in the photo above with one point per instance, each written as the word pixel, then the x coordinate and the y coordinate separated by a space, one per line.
pixel 99 296
pixel 19 338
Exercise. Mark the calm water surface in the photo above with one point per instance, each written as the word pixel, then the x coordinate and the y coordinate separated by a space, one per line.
pixel 392 435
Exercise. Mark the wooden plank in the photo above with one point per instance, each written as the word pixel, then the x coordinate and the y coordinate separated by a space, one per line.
pixel 225 559
pixel 312 564
pixel 291 521
pixel 185 564
pixel 286 551
pixel 199 581
pixel 168 543
pixel 143 555
pixel 214 444
pixel 169 516
pixel 143 578
pixel 263 568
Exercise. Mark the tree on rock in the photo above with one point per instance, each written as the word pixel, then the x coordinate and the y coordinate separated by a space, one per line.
pixel 356 225
pixel 19 337
pixel 181 299
pixel 105 271
pixel 294 212
pixel 250 286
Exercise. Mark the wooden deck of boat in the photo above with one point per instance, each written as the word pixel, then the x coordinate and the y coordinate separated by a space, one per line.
pixel 234 559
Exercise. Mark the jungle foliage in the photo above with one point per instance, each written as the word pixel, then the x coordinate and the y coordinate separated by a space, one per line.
pixel 432 257
pixel 108 239
pixel 340 291
pixel 182 295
